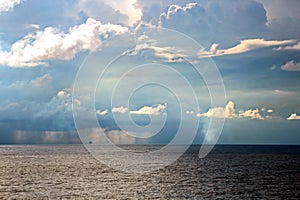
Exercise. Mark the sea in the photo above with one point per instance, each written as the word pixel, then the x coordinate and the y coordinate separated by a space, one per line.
pixel 228 172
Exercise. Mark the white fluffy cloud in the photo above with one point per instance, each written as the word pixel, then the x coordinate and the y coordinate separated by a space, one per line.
pixel 244 46
pixel 120 109
pixel 251 113
pixel 294 116
pixel 7 5
pixel 103 112
pixel 51 43
pixel 229 112
pixel 149 110
pixel 175 9
pixel 291 66
pixel 127 7
pixel 220 112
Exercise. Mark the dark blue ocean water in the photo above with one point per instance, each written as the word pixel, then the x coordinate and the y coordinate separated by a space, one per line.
pixel 228 172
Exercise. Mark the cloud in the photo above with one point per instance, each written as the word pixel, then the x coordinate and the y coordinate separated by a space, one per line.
pixel 229 112
pixel 168 54
pixel 33 26
pixel 220 112
pixel 292 47
pixel 59 106
pixel 52 43
pixel 291 66
pixel 104 112
pixel 98 10
pixel 124 11
pixel 217 112
pixel 7 5
pixel 182 17
pixel 283 17
pixel 175 9
pixel 146 45
pixel 41 81
pixel 127 7
pixel 273 67
pixel 243 47
pixel 253 114
pixel 215 20
pixel 294 116
pixel 19 110
pixel 62 93
pixel 278 9
pixel 120 109
pixel 190 112
pixel 149 110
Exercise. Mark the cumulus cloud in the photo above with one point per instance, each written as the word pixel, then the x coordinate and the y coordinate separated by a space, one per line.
pixel 7 5
pixel 62 93
pixel 52 43
pixel 120 109
pixel 243 47
pixel 174 9
pixel 103 112
pixel 294 116
pixel 229 112
pixel 220 112
pixel 190 16
pixel 211 21
pixel 251 113
pixel 291 66
pixel 149 110
pixel 41 81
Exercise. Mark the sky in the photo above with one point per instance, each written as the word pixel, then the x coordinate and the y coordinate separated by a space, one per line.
pixel 133 65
